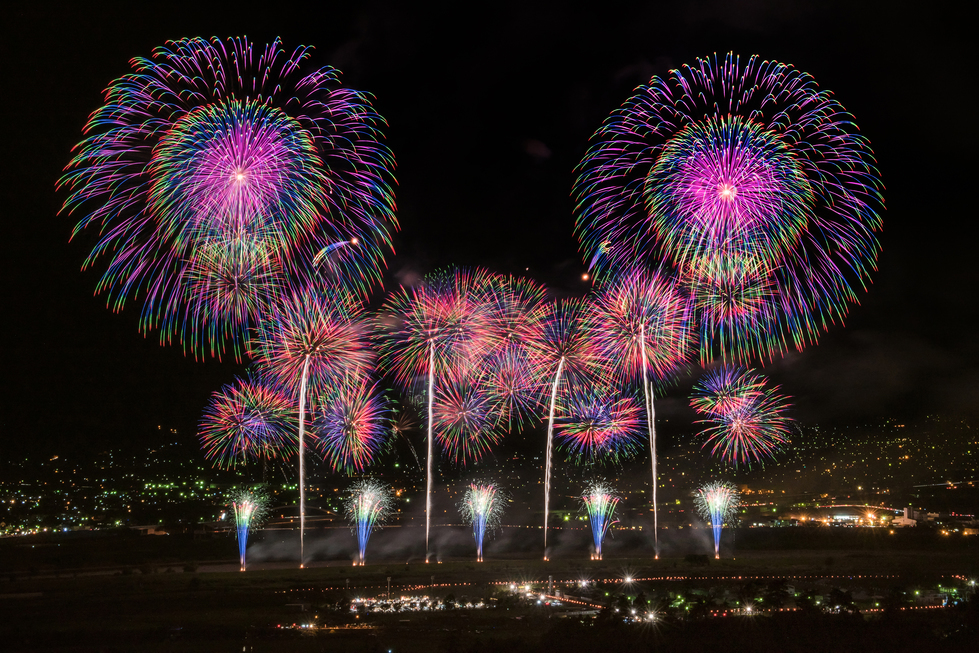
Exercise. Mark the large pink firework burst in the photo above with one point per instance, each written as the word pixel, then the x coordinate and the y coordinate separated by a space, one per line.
pixel 226 166
pixel 463 419
pixel 753 184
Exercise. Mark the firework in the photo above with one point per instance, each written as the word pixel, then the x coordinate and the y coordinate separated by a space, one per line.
pixel 482 507
pixel 749 181
pixel 599 425
pixel 351 424
pixel 515 384
pixel 643 321
pixel 308 346
pixel 565 349
pixel 438 327
pixel 600 501
pixel 247 419
pixel 746 418
pixel 370 503
pixel 717 503
pixel 225 166
pixel 462 418
pixel 250 506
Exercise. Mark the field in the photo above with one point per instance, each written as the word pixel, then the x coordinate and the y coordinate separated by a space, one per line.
pixel 123 593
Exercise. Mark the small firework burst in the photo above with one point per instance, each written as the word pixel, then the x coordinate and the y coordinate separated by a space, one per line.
pixel 745 419
pixel 247 420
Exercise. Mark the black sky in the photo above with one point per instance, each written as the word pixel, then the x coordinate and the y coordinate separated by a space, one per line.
pixel 489 109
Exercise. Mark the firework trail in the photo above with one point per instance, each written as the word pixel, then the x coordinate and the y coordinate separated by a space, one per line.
pixel 716 503
pixel 599 425
pixel 351 424
pixel 310 344
pixel 600 501
pixel 436 328
pixel 482 507
pixel 566 350
pixel 250 506
pixel 746 418
pixel 370 503
pixel 248 419
pixel 643 320
pixel 215 171
pixel 749 181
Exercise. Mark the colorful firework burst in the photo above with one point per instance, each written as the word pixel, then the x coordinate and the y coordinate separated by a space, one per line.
pixel 600 501
pixel 482 507
pixel 716 502
pixel 247 419
pixel 565 350
pixel 436 328
pixel 515 383
pixel 746 418
pixel 753 184
pixel 370 503
pixel 643 321
pixel 220 163
pixel 462 418
pixel 310 344
pixel 599 425
pixel 250 506
pixel 350 425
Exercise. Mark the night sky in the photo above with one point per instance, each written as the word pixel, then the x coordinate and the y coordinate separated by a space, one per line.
pixel 489 109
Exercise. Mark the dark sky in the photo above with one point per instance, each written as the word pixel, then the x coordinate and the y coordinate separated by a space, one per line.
pixel 490 107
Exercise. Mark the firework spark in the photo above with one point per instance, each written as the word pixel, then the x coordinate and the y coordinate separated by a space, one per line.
pixel 745 418
pixel 462 418
pixel 600 501
pixel 370 503
pixel 567 351
pixel 225 166
pixel 717 502
pixel 482 507
pixel 250 506
pixel 753 184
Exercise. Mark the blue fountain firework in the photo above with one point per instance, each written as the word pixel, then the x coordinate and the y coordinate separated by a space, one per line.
pixel 717 503
pixel 250 506
pixel 600 501
pixel 482 508
pixel 370 503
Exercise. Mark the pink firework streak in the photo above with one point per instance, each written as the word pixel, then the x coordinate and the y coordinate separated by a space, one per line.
pixel 566 350
pixel 644 321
